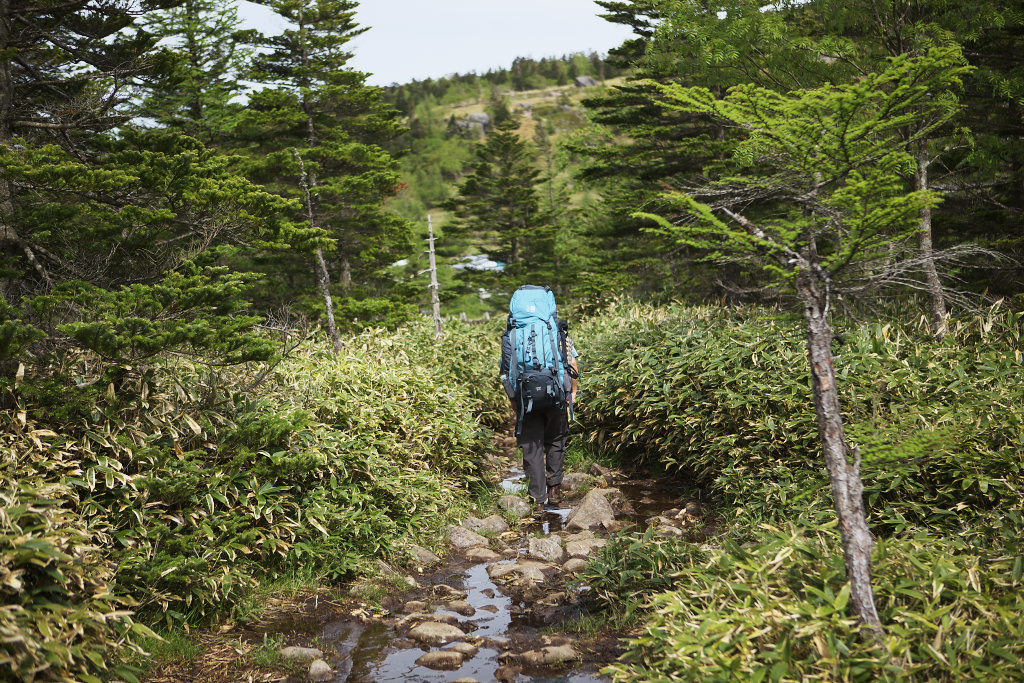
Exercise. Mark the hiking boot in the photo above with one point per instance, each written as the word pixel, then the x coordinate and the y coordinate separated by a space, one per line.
pixel 555 494
pixel 538 510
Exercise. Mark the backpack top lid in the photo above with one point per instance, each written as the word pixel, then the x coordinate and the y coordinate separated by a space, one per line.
pixel 532 303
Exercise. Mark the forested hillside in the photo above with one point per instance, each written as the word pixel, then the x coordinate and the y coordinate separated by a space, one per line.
pixel 787 237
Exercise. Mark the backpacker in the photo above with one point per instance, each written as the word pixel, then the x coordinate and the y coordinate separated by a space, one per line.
pixel 535 373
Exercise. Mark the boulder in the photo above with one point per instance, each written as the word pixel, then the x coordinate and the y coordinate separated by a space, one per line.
pixel 319 670
pixel 547 548
pixel 422 556
pixel 446 592
pixel 585 547
pixel 300 654
pixel 593 511
pixel 463 538
pixel 516 505
pixel 436 633
pixel 482 555
pixel 447 660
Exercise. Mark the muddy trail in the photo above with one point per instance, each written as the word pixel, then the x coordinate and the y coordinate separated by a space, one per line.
pixel 499 607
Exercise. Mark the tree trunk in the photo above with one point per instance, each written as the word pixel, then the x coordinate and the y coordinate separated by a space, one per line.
pixel 345 278
pixel 323 279
pixel 847 488
pixel 936 298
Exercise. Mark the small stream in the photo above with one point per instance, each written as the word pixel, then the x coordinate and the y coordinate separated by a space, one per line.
pixel 376 653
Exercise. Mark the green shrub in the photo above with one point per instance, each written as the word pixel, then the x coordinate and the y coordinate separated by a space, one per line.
pixel 723 395
pixel 778 610
pixel 183 487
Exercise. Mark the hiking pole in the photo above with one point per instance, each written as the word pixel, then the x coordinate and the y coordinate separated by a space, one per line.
pixel 435 297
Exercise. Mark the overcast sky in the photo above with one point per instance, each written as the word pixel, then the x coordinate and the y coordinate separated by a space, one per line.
pixel 418 39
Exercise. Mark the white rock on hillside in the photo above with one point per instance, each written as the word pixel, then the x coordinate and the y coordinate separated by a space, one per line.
pixel 547 548
pixel 461 537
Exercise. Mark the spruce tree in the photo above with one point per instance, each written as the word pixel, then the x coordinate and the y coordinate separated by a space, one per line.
pixel 498 200
pixel 103 235
pixel 316 133
pixel 195 90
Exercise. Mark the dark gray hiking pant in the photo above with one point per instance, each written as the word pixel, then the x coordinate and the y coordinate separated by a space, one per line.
pixel 544 434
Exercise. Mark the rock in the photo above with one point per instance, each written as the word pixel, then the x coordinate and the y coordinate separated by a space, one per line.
pixel 436 633
pixel 585 547
pixel 516 505
pixel 506 674
pixel 547 548
pixel 410 582
pixel 575 565
pixel 574 480
pixel 510 553
pixel 593 511
pixel 670 531
pixel 494 524
pixel 466 649
pixel 466 680
pixel 530 571
pixel 461 607
pixel 446 592
pixel 493 609
pixel 447 660
pixel 553 654
pixel 301 654
pixel 422 556
pixel 482 555
pixel 319 670
pixel 585 535
pixel 414 606
pixel 461 537
pixel 660 521
pixel 598 471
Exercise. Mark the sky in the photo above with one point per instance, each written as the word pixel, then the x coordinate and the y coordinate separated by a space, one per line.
pixel 419 39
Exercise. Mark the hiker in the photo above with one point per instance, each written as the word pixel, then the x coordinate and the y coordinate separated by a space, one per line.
pixel 539 372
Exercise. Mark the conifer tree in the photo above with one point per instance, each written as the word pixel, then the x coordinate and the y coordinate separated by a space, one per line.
pixel 814 195
pixel 316 134
pixel 498 199
pixel 194 91
pixel 103 236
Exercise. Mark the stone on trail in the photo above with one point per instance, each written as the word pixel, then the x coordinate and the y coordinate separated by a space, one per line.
pixel 446 592
pixel 547 548
pixel 467 649
pixel 461 537
pixel 482 555
pixel 415 606
pixel 584 547
pixel 465 680
pixel 422 556
pixel 574 480
pixel 593 511
pixel 516 505
pixel 461 607
pixel 448 660
pixel 494 524
pixel 319 670
pixel 585 535
pixel 575 565
pixel 530 571
pixel 300 654
pixel 436 633
pixel 553 654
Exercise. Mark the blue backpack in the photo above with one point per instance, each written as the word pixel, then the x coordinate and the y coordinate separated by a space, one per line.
pixel 537 372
